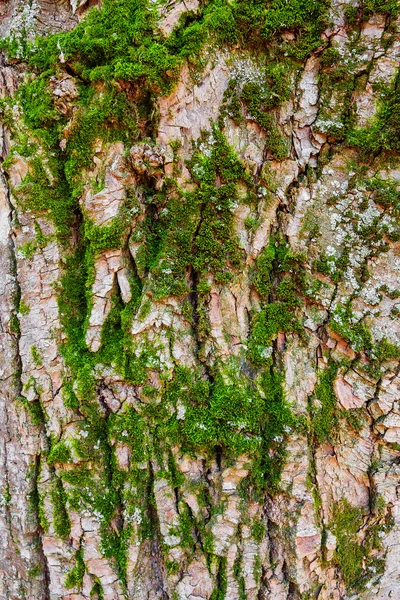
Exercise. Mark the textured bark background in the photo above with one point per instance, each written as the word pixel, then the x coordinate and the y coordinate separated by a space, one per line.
pixel 199 334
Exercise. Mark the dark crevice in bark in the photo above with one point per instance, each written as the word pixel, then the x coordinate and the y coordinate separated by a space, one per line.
pixel 220 580
pixel 218 456
pixel 196 533
pixel 294 593
pixel 177 499
pixel 193 278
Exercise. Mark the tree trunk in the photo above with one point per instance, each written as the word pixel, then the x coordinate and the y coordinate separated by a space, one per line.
pixel 199 340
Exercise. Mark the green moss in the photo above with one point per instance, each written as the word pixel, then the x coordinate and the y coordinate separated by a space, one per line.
pixel 265 271
pixel 129 427
pixel 23 308
pixel 193 230
pixel 37 102
pixel 234 415
pixel 30 248
pixel 237 573
pixel 187 527
pixel 80 477
pixel 325 418
pixel 215 246
pixel 44 191
pixel 279 280
pixel 61 520
pixel 59 453
pixel 258 531
pixel 7 496
pixel 355 418
pixel 42 517
pixel 386 194
pixel 354 554
pixel 144 309
pixel 121 64
pixel 388 7
pixel 260 102
pixel 385 351
pixel 383 133
pixel 117 347
pixel 278 422
pixel 74 578
pixel 354 330
pixel 97 592
pixel 35 571
pixel 72 305
pixel 172 567
pixel 15 327
pixel 35 410
pixel 114 545
pixel 218 414
pixel 258 568
pixel 36 356
pixel 219 592
pixel 231 106
pixel 105 237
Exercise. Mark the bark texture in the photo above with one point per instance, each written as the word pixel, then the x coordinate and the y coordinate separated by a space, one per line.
pixel 199 334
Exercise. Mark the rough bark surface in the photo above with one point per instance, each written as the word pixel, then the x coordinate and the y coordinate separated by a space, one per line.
pixel 199 334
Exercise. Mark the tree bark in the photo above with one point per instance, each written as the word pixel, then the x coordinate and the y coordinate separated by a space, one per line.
pixel 199 374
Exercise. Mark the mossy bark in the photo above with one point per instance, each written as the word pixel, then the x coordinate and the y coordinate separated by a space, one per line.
pixel 199 336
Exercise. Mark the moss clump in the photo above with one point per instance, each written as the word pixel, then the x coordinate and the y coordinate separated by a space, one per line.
pixel 384 133
pixel 129 427
pixel 355 418
pixel 385 351
pixel 388 7
pixel 96 592
pixel 386 194
pixel 115 543
pixel 258 531
pixel 355 554
pixel 61 520
pixel 278 278
pixel 106 237
pixel 219 592
pixel 215 415
pixel 346 522
pixel 193 231
pixel 74 579
pixel 357 333
pixel 39 242
pixel 59 453
pixel 238 574
pixel 264 274
pixel 259 102
pixel 35 410
pixel 234 414
pixel 277 424
pixel 255 24
pixel 36 356
pixel 350 328
pixel 325 419
pixel 231 106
